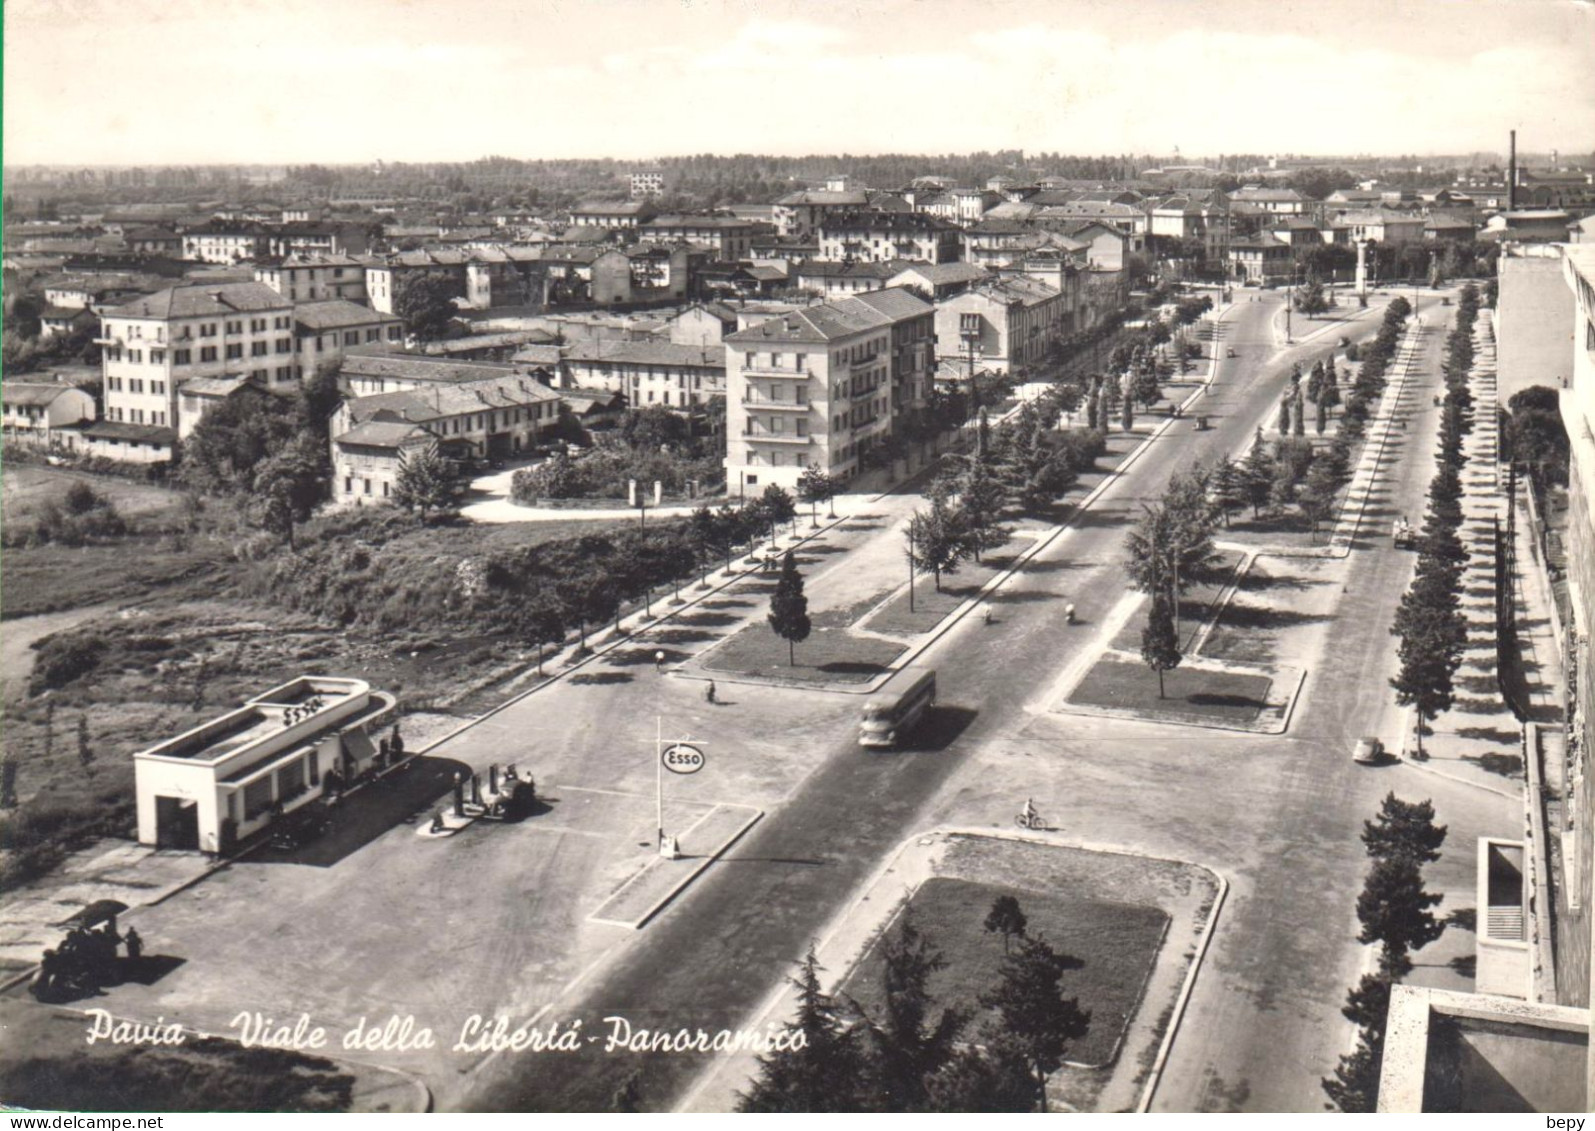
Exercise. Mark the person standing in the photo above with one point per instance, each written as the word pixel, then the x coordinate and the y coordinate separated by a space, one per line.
pixel 134 944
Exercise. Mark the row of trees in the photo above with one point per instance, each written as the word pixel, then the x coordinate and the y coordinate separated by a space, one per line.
pixel 1429 620
pixel 1396 914
pixel 909 1053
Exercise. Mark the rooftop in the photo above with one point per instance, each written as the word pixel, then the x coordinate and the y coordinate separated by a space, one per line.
pixel 419 406
pixel 374 361
pixel 197 300
pixel 334 313
pixel 647 353
pixel 31 393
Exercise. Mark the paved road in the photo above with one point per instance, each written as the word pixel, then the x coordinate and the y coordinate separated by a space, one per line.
pixel 720 951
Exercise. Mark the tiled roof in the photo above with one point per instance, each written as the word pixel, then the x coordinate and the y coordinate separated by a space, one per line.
pixel 833 199
pixel 939 274
pixel 418 406
pixel 836 269
pixel 609 208
pixel 871 221
pixel 118 430
pixel 1017 288
pixel 199 299
pixel 333 313
pixel 31 392
pixel 56 313
pixel 696 222
pixel 382 434
pixel 375 361
pixel 647 353
pixel 832 320
pixel 212 386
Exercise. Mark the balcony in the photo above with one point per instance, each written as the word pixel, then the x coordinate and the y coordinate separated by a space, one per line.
pixel 762 403
pixel 789 438
pixel 771 371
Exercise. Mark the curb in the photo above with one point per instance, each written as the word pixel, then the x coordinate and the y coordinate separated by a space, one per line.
pixel 1155 1076
pixel 663 901
pixel 625 636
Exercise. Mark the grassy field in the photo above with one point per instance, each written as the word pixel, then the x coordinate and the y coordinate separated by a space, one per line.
pixel 1115 944
pixel 1192 694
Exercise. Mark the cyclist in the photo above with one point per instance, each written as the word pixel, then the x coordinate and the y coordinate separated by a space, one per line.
pixel 1029 815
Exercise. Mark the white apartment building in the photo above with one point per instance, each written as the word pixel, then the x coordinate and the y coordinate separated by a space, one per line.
pixel 150 346
pixel 823 385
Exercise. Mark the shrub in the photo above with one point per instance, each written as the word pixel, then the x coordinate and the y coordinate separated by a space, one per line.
pixel 1352 352
pixel 63 659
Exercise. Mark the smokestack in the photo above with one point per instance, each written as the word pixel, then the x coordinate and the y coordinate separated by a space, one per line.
pixel 1511 173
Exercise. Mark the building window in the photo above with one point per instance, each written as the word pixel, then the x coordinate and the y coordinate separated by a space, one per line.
pixel 258 349
pixel 182 357
pixel 208 353
pixel 285 345
pixel 157 357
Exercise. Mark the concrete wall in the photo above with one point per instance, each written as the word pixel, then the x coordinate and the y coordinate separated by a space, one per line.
pixel 1533 324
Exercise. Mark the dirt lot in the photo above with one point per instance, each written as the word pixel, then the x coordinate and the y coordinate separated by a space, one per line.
pixel 183 631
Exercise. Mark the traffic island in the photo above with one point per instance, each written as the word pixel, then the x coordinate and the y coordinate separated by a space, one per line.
pixel 1112 946
pixel 829 655
pixel 643 896
pixel 1139 925
pixel 1229 697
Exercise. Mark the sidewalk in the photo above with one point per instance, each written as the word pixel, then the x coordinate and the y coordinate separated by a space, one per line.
pixel 1479 740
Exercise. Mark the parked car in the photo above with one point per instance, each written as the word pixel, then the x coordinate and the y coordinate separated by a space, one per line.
pixel 1369 751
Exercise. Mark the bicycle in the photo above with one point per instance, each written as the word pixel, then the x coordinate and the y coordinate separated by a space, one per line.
pixel 1031 821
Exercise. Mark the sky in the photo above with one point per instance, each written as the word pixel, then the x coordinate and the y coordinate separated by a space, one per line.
pixel 155 82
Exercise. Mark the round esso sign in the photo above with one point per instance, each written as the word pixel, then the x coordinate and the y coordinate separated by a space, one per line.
pixel 682 759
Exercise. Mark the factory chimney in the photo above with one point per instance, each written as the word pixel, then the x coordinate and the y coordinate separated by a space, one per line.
pixel 1511 173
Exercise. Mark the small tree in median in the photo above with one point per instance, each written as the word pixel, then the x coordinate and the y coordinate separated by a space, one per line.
pixel 1404 830
pixel 1160 647
pixel 937 540
pixel 779 506
pixel 1394 911
pixel 789 608
pixel 1006 918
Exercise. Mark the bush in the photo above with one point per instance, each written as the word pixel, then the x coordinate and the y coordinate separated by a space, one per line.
pixel 1352 352
pixel 63 659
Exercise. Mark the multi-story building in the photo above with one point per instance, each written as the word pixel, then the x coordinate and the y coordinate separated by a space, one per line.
pixel 798 215
pixel 1001 325
pixel 1379 226
pixel 324 330
pixel 1280 201
pixel 302 240
pixel 610 214
pixel 648 373
pixel 876 237
pixel 937 281
pixel 822 385
pixel 647 184
pixel 152 345
pixel 1260 259
pixel 729 237
pixel 225 243
pixel 494 418
pixel 300 279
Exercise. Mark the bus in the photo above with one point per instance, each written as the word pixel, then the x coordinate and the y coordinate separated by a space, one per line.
pixel 895 711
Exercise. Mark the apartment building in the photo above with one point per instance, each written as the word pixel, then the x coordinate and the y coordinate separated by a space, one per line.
pixel 224 243
pixel 44 414
pixel 494 418
pixel 312 278
pixel 1001 325
pixel 647 373
pixel 324 330
pixel 872 236
pixel 823 385
pixel 152 345
pixel 798 215
pixel 647 184
pixel 729 237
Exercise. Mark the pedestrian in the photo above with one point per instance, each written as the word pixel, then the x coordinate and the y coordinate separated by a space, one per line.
pixel 708 692
pixel 659 661
pixel 134 944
